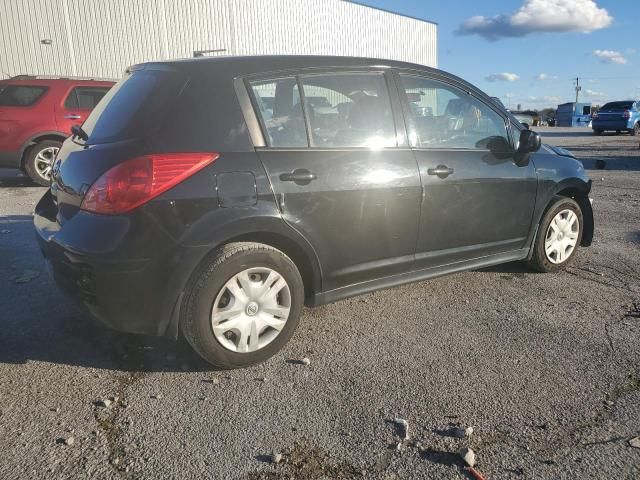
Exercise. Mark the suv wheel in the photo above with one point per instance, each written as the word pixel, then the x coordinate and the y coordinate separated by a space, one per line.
pixel 39 161
pixel 243 305
pixel 597 132
pixel 635 130
pixel 558 237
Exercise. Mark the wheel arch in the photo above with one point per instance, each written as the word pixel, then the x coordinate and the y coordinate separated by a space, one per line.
pixel 304 261
pixel 578 191
pixel 40 137
pixel 269 231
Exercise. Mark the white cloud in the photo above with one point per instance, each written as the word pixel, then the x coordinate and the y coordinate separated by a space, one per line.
pixel 540 16
pixel 610 56
pixel 545 76
pixel 545 99
pixel 502 77
pixel 593 94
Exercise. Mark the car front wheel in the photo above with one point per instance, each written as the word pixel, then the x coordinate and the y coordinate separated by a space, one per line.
pixel 39 161
pixel 243 305
pixel 558 237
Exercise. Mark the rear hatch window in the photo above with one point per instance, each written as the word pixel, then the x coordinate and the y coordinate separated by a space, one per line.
pixel 134 107
pixel 616 107
pixel 20 95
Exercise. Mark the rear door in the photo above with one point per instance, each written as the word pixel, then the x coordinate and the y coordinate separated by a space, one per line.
pixel 476 200
pixel 341 170
pixel 78 103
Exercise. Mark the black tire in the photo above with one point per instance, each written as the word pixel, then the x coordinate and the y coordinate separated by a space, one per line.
pixel 597 132
pixel 209 280
pixel 635 130
pixel 618 132
pixel 539 260
pixel 31 159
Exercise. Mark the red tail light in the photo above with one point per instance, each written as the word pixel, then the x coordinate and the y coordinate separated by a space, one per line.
pixel 626 114
pixel 134 182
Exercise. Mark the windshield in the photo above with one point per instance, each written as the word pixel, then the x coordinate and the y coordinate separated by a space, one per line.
pixel 134 107
pixel 617 106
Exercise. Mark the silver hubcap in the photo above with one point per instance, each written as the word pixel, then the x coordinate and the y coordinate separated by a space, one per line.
pixel 44 161
pixel 251 310
pixel 562 236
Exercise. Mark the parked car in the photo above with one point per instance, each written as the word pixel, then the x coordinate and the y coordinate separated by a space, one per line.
pixel 526 119
pixel 36 115
pixel 185 203
pixel 498 102
pixel 617 116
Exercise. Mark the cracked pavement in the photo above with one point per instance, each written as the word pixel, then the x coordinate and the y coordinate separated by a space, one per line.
pixel 545 368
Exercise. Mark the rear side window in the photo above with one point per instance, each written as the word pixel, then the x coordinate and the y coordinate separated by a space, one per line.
pixel 349 110
pixel 85 98
pixel 20 95
pixel 616 106
pixel 280 110
pixel 135 106
pixel 445 117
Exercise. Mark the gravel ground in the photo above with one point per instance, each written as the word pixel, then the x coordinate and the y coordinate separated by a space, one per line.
pixel 545 368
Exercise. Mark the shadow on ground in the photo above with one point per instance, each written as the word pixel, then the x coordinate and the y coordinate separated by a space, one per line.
pixel 564 133
pixel 611 163
pixel 10 178
pixel 38 323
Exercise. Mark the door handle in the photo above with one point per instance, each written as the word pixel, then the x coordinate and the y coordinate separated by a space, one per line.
pixel 73 116
pixel 300 175
pixel 442 171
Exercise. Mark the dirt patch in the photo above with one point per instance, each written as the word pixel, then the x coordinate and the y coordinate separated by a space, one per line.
pixel 304 462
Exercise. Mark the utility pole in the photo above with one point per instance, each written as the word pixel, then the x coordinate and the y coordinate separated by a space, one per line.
pixel 578 88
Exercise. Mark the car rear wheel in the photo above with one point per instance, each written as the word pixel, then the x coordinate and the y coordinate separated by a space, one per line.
pixel 243 305
pixel 597 132
pixel 39 161
pixel 635 130
pixel 558 237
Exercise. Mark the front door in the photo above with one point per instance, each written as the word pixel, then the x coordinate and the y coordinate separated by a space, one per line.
pixel 343 182
pixel 476 202
pixel 77 106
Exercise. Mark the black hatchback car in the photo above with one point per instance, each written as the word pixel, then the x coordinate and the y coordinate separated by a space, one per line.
pixel 218 196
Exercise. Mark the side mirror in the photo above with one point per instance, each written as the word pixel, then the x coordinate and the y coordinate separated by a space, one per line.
pixel 530 142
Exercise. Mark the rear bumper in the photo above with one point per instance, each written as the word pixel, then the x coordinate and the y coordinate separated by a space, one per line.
pixel 128 290
pixel 9 160
pixel 612 125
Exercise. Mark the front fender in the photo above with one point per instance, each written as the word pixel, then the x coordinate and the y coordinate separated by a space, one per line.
pixel 565 176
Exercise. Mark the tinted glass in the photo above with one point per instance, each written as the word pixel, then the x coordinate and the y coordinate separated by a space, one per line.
pixel 445 117
pixel 279 107
pixel 134 107
pixel 20 95
pixel 349 110
pixel 85 98
pixel 616 106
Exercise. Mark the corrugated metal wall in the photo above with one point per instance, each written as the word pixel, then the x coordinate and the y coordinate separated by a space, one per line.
pixel 100 38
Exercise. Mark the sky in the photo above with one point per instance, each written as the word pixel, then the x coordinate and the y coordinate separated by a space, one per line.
pixel 529 52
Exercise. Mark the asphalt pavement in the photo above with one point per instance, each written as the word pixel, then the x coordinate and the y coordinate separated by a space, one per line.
pixel 544 367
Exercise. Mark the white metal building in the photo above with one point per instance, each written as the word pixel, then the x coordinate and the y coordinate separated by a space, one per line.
pixel 100 38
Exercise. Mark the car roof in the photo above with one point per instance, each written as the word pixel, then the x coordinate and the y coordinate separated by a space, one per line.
pixel 258 64
pixel 35 81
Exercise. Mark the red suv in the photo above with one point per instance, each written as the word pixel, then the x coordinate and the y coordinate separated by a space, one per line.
pixel 36 115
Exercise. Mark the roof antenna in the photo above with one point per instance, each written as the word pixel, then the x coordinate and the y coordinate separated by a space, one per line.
pixel 201 53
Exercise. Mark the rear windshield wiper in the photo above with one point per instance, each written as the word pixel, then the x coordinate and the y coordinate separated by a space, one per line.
pixel 77 131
